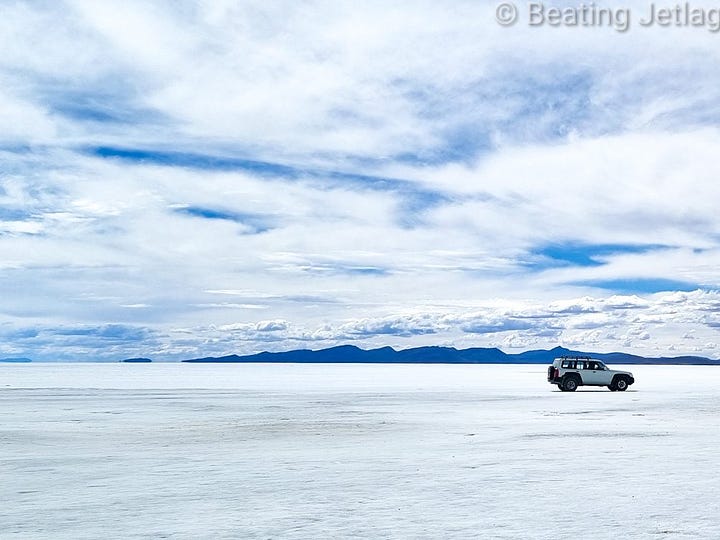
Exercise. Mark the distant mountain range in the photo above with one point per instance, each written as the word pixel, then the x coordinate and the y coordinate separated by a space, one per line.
pixel 349 354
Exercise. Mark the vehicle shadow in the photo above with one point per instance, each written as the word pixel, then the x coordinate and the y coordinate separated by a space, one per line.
pixel 578 391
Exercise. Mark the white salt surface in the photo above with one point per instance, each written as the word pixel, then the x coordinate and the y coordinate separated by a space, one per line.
pixel 264 451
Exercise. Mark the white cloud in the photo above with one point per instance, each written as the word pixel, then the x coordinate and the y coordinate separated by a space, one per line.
pixel 479 145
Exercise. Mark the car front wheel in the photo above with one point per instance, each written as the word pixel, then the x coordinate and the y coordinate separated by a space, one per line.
pixel 621 385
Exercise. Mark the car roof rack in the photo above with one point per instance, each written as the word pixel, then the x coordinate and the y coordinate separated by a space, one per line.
pixel 576 357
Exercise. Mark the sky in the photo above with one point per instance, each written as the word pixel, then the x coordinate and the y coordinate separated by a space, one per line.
pixel 182 179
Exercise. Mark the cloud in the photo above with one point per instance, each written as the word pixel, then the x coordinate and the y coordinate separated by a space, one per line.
pixel 651 326
pixel 109 332
pixel 382 174
pixel 261 326
pixel 78 343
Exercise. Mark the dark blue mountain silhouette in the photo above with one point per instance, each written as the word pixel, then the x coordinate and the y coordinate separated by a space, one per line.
pixel 349 354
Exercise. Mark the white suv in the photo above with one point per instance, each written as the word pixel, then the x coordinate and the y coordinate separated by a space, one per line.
pixel 569 372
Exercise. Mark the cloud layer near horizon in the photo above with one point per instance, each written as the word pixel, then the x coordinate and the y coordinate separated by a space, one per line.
pixel 195 178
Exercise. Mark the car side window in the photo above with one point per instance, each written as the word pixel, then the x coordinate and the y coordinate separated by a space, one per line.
pixel 565 364
pixel 581 365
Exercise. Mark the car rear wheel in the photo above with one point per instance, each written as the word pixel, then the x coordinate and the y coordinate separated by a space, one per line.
pixel 570 385
pixel 621 385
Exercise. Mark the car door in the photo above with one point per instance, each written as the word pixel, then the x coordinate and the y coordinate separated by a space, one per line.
pixel 593 373
pixel 604 374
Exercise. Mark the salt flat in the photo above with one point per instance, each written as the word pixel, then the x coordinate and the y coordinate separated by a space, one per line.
pixel 354 451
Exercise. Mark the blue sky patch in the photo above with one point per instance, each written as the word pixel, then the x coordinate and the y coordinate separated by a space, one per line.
pixel 577 254
pixel 346 269
pixel 14 214
pixel 415 198
pixel 640 285
pixel 112 103
pixel 194 161
pixel 256 222
pixel 261 168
